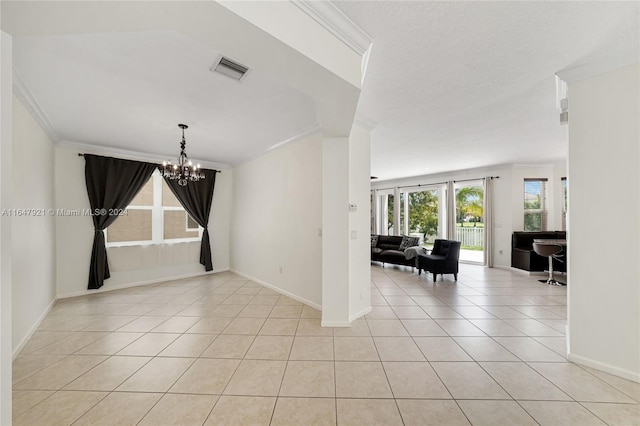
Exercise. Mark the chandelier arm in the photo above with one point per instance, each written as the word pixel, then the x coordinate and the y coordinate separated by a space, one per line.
pixel 184 170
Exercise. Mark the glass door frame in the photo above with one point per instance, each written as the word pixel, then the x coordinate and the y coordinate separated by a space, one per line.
pixel 381 210
pixel 453 216
pixel 440 188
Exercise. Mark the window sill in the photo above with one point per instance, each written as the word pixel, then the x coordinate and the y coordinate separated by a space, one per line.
pixel 151 243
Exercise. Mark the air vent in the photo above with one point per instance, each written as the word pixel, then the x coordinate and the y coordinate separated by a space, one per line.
pixel 232 69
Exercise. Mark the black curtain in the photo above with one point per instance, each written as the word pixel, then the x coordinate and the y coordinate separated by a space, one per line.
pixel 112 184
pixel 196 199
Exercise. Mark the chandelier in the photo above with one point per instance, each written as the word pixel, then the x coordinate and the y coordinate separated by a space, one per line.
pixel 184 170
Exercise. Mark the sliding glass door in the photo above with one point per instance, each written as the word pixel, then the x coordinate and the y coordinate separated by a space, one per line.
pixel 385 212
pixel 420 214
pixel 449 210
pixel 469 219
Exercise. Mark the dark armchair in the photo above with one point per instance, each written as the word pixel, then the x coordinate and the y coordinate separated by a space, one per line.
pixel 443 259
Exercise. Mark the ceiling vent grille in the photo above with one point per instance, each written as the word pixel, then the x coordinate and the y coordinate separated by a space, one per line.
pixel 230 68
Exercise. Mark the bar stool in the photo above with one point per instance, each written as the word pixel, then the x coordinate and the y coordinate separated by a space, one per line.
pixel 551 251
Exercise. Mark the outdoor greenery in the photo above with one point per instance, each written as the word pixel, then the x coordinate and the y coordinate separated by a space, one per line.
pixel 423 213
pixel 533 204
pixel 532 219
pixel 470 225
pixel 469 204
pixel 390 211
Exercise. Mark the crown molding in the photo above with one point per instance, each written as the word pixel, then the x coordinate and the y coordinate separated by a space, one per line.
pixel 22 92
pixel 316 128
pixel 336 22
pixel 365 122
pixel 85 148
pixel 593 68
pixel 306 132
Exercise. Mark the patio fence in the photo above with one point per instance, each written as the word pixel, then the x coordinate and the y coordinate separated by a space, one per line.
pixel 470 237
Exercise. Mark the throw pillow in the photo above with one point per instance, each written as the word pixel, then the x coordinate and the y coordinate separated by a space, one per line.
pixel 374 240
pixel 408 242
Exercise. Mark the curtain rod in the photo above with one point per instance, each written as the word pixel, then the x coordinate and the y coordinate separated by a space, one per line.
pixel 411 186
pixel 80 154
pixel 468 180
pixel 435 183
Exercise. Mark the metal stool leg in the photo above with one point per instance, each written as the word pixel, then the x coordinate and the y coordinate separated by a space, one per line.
pixel 551 280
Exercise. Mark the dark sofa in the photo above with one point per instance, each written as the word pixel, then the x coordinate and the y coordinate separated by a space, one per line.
pixel 387 249
pixel 523 256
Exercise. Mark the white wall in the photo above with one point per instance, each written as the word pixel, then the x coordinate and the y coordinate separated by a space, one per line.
pixel 508 198
pixel 346 271
pixel 128 265
pixel 335 232
pixel 6 144
pixel 359 221
pixel 604 230
pixel 33 236
pixel 277 215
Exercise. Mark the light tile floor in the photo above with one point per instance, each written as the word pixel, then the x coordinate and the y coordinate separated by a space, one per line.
pixel 487 350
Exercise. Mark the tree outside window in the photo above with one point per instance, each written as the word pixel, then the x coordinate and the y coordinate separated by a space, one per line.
pixel 535 204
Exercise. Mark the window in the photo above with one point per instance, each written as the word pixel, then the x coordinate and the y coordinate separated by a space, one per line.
pixel 372 204
pixel 469 219
pixel 191 224
pixel 136 225
pixel 153 217
pixel 385 206
pixel 535 204
pixel 419 213
pixel 565 195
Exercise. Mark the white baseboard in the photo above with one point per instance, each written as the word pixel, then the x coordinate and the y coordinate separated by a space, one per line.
pixel 611 369
pixel 336 323
pixel 352 318
pixel 33 329
pixel 279 290
pixel 138 283
pixel 360 314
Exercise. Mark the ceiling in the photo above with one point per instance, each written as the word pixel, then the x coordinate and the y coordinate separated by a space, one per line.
pixel 459 85
pixel 118 77
pixel 449 85
pixel 130 90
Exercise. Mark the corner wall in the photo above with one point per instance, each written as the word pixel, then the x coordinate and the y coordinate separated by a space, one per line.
pixel 277 205
pixel 346 271
pixel 604 230
pixel 359 222
pixel 129 265
pixel 33 236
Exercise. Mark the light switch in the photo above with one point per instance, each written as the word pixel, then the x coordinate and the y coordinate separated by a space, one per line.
pixel 353 207
pixel 354 235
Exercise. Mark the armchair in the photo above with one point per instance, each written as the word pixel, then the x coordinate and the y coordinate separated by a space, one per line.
pixel 442 260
